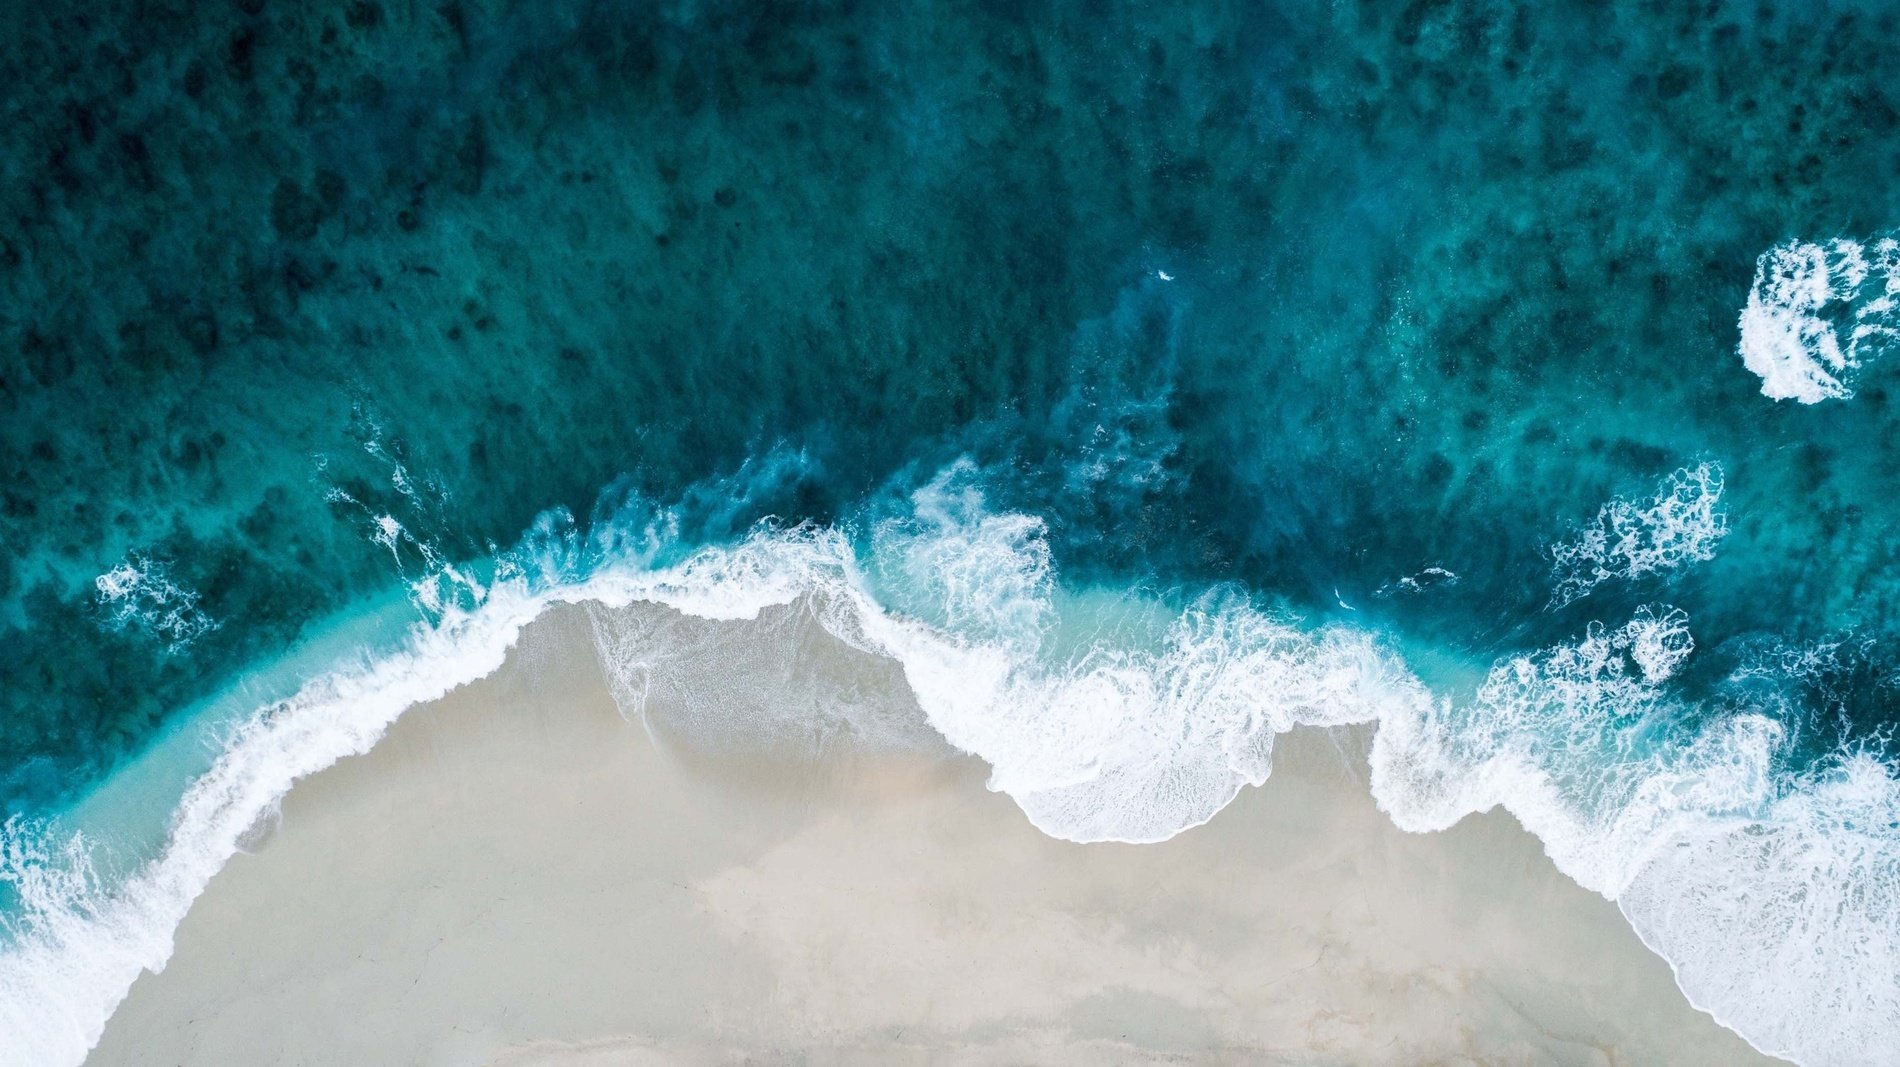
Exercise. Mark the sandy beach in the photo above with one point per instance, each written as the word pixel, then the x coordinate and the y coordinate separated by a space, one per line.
pixel 520 874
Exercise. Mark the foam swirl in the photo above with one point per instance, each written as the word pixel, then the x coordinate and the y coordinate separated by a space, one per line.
pixel 1817 313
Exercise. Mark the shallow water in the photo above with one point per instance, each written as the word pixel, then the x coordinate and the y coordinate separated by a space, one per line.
pixel 1438 344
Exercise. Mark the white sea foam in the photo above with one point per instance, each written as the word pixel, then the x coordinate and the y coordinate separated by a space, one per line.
pixel 78 943
pixel 1680 524
pixel 1817 313
pixel 1111 717
pixel 1147 723
pixel 1413 584
pixel 1784 927
pixel 141 594
pixel 1777 902
pixel 1581 742
pixel 1128 741
pixel 1116 715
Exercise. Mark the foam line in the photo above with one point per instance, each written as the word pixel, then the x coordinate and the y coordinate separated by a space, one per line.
pixel 1126 716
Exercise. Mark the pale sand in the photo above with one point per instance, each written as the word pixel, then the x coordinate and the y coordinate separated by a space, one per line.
pixel 518 875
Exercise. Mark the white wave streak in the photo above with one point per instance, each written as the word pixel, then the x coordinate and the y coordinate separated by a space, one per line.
pixel 1776 902
pixel 1132 742
pixel 1149 725
pixel 1817 313
pixel 1111 716
pixel 1577 741
pixel 1787 928
pixel 1412 584
pixel 1680 524
pixel 141 594
pixel 78 945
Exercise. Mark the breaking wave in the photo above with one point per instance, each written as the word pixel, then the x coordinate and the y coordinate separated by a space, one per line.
pixel 140 594
pixel 1817 313
pixel 1122 714
pixel 1680 524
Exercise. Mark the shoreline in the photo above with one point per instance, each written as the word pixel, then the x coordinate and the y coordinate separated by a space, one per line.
pixel 517 874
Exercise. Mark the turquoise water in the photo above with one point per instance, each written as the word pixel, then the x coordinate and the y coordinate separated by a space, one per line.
pixel 1371 314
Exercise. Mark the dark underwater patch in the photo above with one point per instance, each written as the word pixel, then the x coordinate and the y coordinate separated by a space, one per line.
pixel 1444 277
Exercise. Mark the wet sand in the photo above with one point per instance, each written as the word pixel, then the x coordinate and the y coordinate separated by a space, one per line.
pixel 519 874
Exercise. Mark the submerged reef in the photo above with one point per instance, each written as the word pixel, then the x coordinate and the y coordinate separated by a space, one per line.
pixel 1309 297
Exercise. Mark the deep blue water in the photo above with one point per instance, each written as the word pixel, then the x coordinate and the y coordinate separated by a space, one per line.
pixel 1446 277
pixel 300 302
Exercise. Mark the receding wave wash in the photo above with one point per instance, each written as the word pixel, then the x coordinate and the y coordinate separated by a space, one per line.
pixel 1145 379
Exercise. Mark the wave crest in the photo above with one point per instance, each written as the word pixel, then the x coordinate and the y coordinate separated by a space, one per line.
pixel 1680 524
pixel 1817 313
pixel 141 594
pixel 1786 928
pixel 1107 714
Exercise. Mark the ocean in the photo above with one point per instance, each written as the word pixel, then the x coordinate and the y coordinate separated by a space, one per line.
pixel 1145 380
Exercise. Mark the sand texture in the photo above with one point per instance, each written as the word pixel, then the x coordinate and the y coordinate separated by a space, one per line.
pixel 519 875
